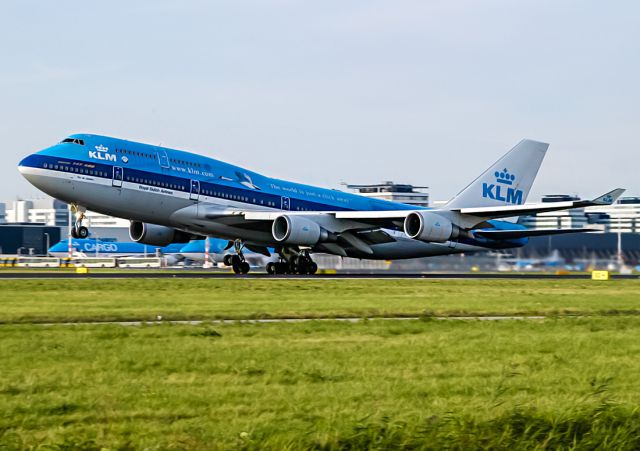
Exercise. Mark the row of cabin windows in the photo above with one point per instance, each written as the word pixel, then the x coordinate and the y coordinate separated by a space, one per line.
pixel 186 163
pixel 234 197
pixel 135 154
pixel 75 169
pixel 227 196
pixel 151 157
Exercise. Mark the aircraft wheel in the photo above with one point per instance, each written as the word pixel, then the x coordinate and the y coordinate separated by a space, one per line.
pixel 271 268
pixel 245 268
pixel 74 233
pixel 236 268
pixel 281 268
pixel 304 265
pixel 82 232
pixel 227 259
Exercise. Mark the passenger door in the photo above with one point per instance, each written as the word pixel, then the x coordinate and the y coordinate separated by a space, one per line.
pixel 163 159
pixel 286 203
pixel 118 175
pixel 195 190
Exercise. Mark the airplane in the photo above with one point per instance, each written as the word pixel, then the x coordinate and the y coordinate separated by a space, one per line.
pixel 194 250
pixel 173 196
pixel 91 247
pixel 553 261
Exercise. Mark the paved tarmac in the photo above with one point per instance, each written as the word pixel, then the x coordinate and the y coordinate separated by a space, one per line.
pixel 169 274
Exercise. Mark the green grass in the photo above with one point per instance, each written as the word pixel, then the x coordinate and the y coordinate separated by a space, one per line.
pixel 100 300
pixel 558 383
pixel 561 382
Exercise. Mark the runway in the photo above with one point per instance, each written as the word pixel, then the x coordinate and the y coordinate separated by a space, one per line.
pixel 169 274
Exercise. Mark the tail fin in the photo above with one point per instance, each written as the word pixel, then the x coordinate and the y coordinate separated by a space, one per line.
pixel 508 181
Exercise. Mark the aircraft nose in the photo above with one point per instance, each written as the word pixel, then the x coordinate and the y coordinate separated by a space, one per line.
pixel 28 168
pixel 25 163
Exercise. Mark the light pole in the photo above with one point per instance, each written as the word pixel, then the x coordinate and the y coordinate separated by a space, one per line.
pixel 207 262
pixel 69 244
pixel 620 259
pixel 46 251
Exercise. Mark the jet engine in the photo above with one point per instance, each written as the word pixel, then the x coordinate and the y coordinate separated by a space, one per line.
pixel 429 227
pixel 156 235
pixel 298 230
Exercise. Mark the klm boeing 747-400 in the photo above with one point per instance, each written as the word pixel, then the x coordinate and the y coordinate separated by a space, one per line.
pixel 171 196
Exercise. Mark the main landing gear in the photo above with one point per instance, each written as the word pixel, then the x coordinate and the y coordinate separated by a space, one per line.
pixel 237 260
pixel 293 264
pixel 78 230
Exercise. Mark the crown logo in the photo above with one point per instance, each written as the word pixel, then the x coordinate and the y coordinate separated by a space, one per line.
pixel 102 148
pixel 504 177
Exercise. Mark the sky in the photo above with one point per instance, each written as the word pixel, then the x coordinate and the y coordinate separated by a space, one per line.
pixel 428 92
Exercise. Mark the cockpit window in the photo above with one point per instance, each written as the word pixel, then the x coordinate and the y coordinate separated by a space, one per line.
pixel 73 141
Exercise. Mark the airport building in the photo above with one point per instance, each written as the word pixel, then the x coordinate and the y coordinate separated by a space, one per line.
pixel 37 211
pixel 27 238
pixel 394 192
pixel 621 217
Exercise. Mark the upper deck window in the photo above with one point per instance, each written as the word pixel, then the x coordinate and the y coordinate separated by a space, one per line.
pixel 73 141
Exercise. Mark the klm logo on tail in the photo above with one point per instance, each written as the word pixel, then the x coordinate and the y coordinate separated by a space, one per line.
pixel 502 190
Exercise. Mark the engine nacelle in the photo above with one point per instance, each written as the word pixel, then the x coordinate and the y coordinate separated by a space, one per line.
pixel 156 235
pixel 298 230
pixel 429 227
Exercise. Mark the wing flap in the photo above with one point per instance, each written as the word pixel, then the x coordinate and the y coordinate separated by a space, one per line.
pixel 525 233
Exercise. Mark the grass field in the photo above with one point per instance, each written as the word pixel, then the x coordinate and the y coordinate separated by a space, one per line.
pixel 99 300
pixel 561 382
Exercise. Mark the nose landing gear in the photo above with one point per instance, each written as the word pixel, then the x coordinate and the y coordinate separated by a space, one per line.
pixel 78 230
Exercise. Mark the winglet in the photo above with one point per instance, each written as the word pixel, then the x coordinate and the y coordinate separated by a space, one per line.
pixel 608 198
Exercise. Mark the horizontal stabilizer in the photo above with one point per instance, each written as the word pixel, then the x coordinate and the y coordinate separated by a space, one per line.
pixel 525 233
pixel 609 198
